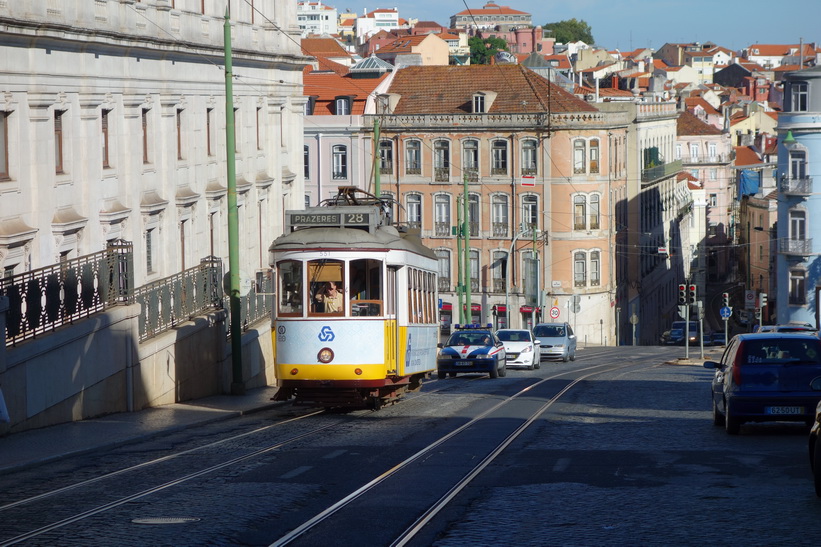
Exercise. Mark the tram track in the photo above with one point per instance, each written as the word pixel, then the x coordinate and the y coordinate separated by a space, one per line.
pixel 62 519
pixel 332 517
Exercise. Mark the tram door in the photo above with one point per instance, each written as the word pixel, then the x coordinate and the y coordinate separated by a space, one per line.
pixel 391 297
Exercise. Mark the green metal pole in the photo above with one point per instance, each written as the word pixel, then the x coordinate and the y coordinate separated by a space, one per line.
pixel 459 261
pixel 237 384
pixel 377 164
pixel 466 215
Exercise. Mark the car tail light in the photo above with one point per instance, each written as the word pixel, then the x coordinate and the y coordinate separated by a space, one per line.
pixel 739 354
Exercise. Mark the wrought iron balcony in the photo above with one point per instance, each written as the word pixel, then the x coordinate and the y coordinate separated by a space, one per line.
pixel 443 284
pixel 474 229
pixel 471 173
pixel 795 247
pixel 499 285
pixel 441 174
pixel 441 229
pixel 796 186
pixel 500 229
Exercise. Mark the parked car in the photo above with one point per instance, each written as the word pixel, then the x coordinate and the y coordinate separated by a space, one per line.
pixel 766 377
pixel 787 328
pixel 815 441
pixel 521 347
pixel 557 341
pixel 719 338
pixel 471 348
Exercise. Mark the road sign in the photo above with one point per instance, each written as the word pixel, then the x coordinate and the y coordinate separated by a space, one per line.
pixel 682 311
pixel 749 299
pixel 554 312
pixel 726 312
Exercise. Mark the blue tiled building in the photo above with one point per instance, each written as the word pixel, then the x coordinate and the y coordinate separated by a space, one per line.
pixel 799 199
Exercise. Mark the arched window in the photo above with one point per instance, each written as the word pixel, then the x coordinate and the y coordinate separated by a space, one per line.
pixel 529 157
pixel 499 214
pixel 340 159
pixel 441 161
pixel 470 159
pixel 594 155
pixel 499 159
pixel 579 269
pixel 530 212
pixel 579 212
pixel 413 157
pixel 595 268
pixel 386 157
pixel 443 255
pixel 414 206
pixel 441 206
pixel 474 212
pixel 579 167
pixel 595 214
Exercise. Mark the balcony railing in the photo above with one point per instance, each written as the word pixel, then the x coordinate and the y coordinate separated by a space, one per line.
pixel 441 229
pixel 707 158
pixel 500 229
pixel 795 247
pixel 441 174
pixel 653 174
pixel 413 170
pixel 796 186
pixel 499 285
pixel 474 229
pixel 471 173
pixel 443 284
pixel 474 285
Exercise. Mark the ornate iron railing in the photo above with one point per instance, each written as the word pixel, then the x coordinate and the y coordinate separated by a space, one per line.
pixel 46 298
pixel 179 297
pixel 256 305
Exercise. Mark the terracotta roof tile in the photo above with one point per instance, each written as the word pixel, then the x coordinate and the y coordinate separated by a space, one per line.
pixel 327 86
pixel 449 90
pixel 689 124
pixel 744 155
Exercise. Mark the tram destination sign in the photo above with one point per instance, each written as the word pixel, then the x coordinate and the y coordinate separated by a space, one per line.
pixel 330 219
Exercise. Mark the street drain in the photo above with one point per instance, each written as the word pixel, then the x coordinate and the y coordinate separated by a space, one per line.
pixel 165 520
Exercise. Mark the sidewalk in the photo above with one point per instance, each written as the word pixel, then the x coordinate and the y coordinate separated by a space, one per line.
pixel 27 448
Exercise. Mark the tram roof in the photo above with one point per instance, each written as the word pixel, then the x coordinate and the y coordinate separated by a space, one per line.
pixel 386 237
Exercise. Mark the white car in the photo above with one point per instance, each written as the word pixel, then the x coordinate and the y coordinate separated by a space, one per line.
pixel 521 348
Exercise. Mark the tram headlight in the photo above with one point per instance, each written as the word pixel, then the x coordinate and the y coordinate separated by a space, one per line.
pixel 325 355
pixel 358 371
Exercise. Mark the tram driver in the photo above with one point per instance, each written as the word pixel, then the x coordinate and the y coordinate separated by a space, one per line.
pixel 331 296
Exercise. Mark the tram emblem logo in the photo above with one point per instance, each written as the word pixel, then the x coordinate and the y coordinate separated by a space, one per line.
pixel 326 334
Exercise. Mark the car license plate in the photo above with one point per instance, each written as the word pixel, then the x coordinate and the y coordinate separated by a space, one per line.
pixel 777 410
pixel 462 363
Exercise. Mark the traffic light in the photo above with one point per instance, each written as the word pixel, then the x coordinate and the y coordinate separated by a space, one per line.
pixel 762 300
pixel 691 294
pixel 682 294
pixel 726 297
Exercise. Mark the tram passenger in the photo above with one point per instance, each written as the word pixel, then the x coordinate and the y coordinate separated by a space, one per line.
pixel 331 296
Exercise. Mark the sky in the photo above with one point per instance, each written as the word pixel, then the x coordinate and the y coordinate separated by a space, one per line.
pixel 630 24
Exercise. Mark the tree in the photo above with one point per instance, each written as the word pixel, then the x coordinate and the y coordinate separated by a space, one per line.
pixel 571 30
pixel 483 49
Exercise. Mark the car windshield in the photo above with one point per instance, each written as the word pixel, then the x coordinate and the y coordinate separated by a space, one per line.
pixel 513 335
pixel 549 331
pixel 470 339
pixel 782 350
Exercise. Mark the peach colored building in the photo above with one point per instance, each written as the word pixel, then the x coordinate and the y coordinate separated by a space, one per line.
pixel 545 175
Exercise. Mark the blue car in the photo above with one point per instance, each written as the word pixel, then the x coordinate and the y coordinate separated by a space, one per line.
pixel 471 350
pixel 766 377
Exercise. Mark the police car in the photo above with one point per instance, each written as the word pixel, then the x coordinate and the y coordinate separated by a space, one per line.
pixel 471 349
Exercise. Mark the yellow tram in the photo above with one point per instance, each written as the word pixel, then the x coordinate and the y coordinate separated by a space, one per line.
pixel 355 319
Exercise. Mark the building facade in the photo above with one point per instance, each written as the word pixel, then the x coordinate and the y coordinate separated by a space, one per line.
pixel 543 176
pixel 799 151
pixel 124 135
pixel 316 18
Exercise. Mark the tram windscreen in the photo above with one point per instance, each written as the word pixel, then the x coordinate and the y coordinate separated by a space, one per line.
pixel 327 287
pixel 366 287
pixel 289 275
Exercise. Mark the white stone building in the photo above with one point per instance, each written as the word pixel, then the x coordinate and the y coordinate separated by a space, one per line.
pixel 316 18
pixel 112 119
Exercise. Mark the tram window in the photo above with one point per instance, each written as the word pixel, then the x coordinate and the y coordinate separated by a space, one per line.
pixel 326 285
pixel 289 276
pixel 366 287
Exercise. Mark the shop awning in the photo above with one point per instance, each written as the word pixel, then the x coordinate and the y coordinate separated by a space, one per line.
pixel 529 309
pixel 446 306
pixel 500 308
